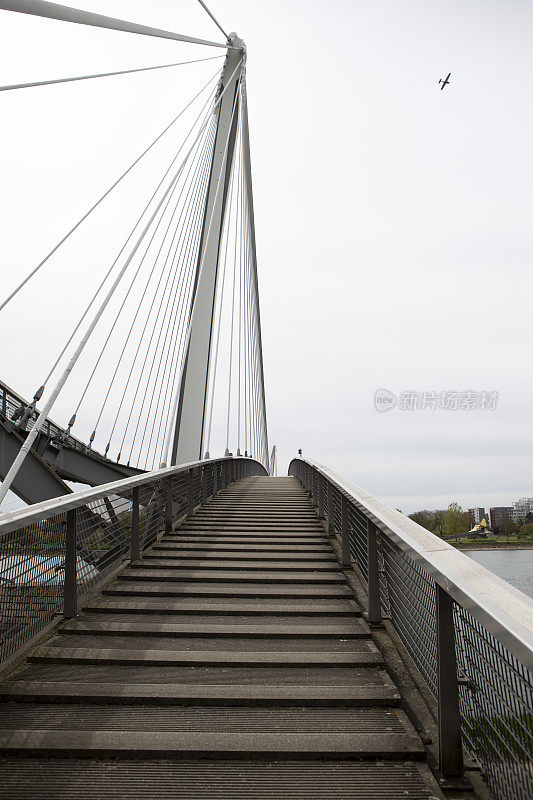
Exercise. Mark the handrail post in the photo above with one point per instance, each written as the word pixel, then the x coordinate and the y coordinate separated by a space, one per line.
pixel 215 479
pixel 346 559
pixel 190 492
pixel 450 744
pixel 374 599
pixel 331 509
pixel 168 505
pixel 69 586
pixel 135 544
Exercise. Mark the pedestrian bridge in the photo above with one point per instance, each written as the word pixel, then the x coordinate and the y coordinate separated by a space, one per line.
pixel 191 625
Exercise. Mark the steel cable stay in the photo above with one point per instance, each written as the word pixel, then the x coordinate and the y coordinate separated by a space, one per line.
pixel 252 442
pixel 158 360
pixel 241 272
pixel 104 195
pixel 246 354
pixel 51 82
pixel 201 263
pixel 257 317
pixel 250 212
pixel 110 270
pixel 213 362
pixel 219 99
pixel 123 351
pixel 154 232
pixel 75 15
pixel 147 353
pixel 190 247
pixel 132 283
pixel 137 350
pixel 252 365
pixel 179 354
pixel 231 337
pixel 173 189
pixel 255 369
pixel 217 23
pixel 41 419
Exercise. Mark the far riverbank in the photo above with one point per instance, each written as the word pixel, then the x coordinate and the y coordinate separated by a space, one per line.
pixel 478 545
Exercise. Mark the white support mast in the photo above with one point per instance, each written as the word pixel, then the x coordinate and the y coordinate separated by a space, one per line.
pixel 192 403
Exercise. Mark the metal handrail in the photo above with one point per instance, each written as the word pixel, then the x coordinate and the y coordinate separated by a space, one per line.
pixel 52 553
pixel 501 608
pixel 12 520
pixel 10 398
pixel 469 633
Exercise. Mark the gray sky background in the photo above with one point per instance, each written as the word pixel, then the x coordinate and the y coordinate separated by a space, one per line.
pixel 393 220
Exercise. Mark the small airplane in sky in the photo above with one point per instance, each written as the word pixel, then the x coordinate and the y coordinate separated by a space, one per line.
pixel 445 82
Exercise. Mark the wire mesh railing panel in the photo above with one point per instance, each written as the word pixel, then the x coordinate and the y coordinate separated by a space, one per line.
pixel 412 608
pixel 337 509
pixel 103 534
pixel 209 481
pixel 358 539
pixel 179 496
pixel 496 708
pixel 31 581
pixel 382 572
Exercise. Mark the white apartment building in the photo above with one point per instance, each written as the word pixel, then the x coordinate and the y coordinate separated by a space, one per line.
pixel 522 507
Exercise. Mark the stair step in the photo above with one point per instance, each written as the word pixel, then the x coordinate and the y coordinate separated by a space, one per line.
pixel 356 629
pixel 247 550
pixel 207 694
pixel 121 656
pixel 240 576
pixel 202 563
pixel 179 587
pixel 253 719
pixel 217 745
pixel 236 606
pixel 287 532
pixel 204 779
pixel 240 557
pixel 241 644
pixel 293 531
pixel 247 540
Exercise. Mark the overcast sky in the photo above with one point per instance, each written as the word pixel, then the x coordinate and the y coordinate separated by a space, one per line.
pixel 393 219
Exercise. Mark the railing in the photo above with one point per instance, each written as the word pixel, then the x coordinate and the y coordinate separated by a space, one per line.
pixel 52 553
pixel 469 633
pixel 10 405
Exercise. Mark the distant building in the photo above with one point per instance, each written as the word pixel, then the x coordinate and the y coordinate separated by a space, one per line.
pixel 522 507
pixel 475 515
pixel 497 516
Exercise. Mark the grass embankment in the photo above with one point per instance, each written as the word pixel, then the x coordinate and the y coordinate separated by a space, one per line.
pixel 494 543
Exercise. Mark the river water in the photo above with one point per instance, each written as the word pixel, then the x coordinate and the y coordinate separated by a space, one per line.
pixel 514 566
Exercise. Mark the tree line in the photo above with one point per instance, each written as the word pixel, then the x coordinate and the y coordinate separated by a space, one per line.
pixel 453 521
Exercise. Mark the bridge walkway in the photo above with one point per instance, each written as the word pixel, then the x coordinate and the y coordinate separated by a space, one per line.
pixel 232 661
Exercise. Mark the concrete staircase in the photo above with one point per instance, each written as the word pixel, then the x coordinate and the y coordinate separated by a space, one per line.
pixel 231 662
